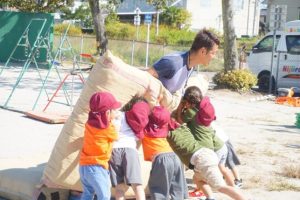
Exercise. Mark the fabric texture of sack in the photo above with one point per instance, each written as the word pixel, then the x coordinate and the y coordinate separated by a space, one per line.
pixel 123 81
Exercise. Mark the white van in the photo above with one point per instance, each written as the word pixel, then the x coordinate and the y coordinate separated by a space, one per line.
pixel 288 48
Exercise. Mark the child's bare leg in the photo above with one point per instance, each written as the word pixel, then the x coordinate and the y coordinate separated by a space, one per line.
pixel 120 188
pixel 234 193
pixel 235 173
pixel 139 191
pixel 227 175
pixel 206 189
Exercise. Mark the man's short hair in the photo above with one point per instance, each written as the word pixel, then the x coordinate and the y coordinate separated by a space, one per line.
pixel 206 39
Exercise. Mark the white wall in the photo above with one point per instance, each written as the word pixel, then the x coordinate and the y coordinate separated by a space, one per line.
pixel 208 14
pixel 245 21
pixel 205 13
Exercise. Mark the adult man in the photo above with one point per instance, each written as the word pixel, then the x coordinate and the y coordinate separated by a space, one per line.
pixel 173 70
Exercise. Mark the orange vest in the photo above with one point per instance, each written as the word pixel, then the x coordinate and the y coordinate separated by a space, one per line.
pixel 97 145
pixel 154 146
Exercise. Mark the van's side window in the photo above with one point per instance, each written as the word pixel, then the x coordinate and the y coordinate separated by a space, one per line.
pixel 293 44
pixel 266 44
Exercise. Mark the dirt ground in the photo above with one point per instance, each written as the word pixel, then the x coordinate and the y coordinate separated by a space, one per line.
pixel 263 133
pixel 267 141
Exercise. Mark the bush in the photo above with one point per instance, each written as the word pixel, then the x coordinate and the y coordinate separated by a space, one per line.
pixel 120 31
pixel 240 80
pixel 61 29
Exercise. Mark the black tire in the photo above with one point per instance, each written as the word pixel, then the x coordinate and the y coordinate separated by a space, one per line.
pixel 264 82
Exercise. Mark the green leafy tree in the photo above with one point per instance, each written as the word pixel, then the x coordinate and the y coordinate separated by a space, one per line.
pixel 112 18
pixel 37 5
pixel 97 13
pixel 66 13
pixel 175 17
pixel 83 13
pixel 160 4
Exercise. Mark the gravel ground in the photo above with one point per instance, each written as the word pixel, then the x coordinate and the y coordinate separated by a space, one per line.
pixel 262 132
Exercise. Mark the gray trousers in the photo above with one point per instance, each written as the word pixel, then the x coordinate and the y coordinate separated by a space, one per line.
pixel 167 180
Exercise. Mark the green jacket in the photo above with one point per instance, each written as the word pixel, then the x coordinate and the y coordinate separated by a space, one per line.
pixel 204 134
pixel 183 144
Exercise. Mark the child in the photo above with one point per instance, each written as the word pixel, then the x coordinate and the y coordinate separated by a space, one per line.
pixel 204 161
pixel 97 146
pixel 198 114
pixel 124 165
pixel 166 179
pixel 232 159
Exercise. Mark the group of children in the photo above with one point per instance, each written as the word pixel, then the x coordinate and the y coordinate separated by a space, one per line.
pixel 109 154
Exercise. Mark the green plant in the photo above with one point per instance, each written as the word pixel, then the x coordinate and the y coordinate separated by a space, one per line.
pixel 112 18
pixel 240 80
pixel 175 17
pixel 73 30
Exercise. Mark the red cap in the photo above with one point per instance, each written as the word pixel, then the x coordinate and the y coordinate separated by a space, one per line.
pixel 160 123
pixel 101 102
pixel 206 112
pixel 138 117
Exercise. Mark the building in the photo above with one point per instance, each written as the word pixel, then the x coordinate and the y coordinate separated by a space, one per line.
pixel 205 14
pixel 208 14
pixel 129 8
pixel 282 11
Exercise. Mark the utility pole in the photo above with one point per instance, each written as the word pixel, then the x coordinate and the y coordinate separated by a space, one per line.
pixel 254 17
pixel 249 1
pixel 157 22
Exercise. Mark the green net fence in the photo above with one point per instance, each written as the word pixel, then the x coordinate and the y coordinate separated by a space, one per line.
pixel 298 120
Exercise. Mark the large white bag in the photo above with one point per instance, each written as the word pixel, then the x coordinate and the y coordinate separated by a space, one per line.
pixel 123 81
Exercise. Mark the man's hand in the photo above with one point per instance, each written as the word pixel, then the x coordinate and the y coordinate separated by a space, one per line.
pixel 153 72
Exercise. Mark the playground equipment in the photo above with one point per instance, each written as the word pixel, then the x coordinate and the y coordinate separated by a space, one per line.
pixel 41 41
pixel 75 72
pixel 297 120
pixel 32 51
pixel 54 63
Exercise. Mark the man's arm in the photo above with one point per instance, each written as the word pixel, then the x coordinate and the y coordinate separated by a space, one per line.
pixel 153 72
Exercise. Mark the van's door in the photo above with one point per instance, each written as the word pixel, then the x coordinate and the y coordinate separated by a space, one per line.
pixel 289 66
pixel 260 56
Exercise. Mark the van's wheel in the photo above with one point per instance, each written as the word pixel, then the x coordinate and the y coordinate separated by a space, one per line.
pixel 264 82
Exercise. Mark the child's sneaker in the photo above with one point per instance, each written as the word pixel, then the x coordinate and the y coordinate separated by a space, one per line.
pixel 238 183
pixel 197 194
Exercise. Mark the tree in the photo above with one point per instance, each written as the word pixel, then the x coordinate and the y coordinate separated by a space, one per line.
pixel 230 49
pixel 175 17
pixel 37 5
pixel 83 13
pixel 98 19
pixel 160 4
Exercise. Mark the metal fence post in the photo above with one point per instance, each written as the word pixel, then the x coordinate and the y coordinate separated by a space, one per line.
pixel 132 52
pixel 81 47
